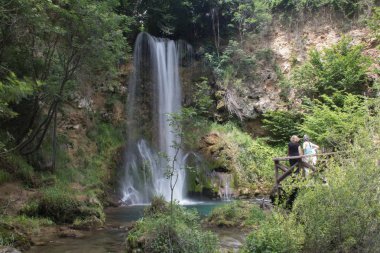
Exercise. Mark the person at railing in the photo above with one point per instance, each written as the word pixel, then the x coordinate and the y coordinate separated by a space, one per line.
pixel 294 149
pixel 309 148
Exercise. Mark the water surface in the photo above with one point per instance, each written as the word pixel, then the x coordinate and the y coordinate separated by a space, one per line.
pixel 110 239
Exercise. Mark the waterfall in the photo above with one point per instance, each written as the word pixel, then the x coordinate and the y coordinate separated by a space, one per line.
pixel 154 92
pixel 225 191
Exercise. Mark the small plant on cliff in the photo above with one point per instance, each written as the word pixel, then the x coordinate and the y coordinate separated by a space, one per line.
pixel 343 67
pixel 374 23
pixel 334 122
pixel 281 125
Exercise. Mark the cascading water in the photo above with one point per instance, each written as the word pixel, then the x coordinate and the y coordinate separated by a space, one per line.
pixel 225 191
pixel 154 93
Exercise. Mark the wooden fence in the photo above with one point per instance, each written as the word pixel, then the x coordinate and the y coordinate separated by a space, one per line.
pixel 282 171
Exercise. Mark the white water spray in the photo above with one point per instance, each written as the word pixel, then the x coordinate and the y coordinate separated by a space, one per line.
pixel 154 94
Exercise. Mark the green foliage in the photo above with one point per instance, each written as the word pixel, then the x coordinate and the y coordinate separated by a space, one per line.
pixel 250 160
pixel 21 169
pixel 232 65
pixel 253 156
pixel 281 125
pixel 337 120
pixel 202 97
pixel 236 214
pixel 196 19
pixel 4 176
pixel 63 205
pixel 179 232
pixel 64 44
pixel 347 7
pixel 12 91
pixel 30 225
pixel 109 138
pixel 106 136
pixel 374 23
pixel 342 67
pixel 344 216
pixel 59 205
pixel 11 237
pixel 280 233
pixel 246 16
pixel 157 205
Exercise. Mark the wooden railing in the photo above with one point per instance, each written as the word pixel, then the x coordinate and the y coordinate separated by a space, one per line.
pixel 282 171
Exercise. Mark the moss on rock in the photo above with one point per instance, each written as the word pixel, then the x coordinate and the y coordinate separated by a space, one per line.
pixel 10 236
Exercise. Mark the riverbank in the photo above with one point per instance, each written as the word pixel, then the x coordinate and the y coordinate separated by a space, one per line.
pixel 111 237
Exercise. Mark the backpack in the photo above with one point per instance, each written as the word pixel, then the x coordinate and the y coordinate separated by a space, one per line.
pixel 308 149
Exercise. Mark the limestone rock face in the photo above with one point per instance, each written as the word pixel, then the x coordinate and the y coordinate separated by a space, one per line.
pixel 252 98
pixel 277 51
pixel 218 152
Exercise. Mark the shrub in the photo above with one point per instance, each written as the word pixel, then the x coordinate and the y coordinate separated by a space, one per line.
pixel 236 214
pixel 158 205
pixel 202 97
pixel 342 67
pixel 4 176
pixel 331 124
pixel 344 216
pixel 280 233
pixel 374 23
pixel 22 170
pixel 62 206
pixel 10 237
pixel 250 160
pixel 347 7
pixel 59 205
pixel 281 125
pixel 162 233
pixel 29 225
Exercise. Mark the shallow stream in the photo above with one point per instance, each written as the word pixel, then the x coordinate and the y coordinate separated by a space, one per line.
pixel 110 239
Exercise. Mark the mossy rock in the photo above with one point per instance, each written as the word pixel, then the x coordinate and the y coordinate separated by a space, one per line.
pixel 63 208
pixel 10 236
pixel 88 223
pixel 236 214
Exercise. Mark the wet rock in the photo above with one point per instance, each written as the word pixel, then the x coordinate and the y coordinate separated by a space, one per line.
pixel 66 232
pixel 88 223
pixel 6 249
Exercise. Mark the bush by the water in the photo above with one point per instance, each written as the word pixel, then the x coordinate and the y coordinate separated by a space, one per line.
pixel 344 216
pixel 280 233
pixel 63 206
pixel 160 231
pixel 236 214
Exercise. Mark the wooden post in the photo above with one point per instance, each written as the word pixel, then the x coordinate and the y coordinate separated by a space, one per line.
pixel 299 165
pixel 276 177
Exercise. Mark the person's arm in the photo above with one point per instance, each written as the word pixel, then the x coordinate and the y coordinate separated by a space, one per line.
pixel 314 146
pixel 300 151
